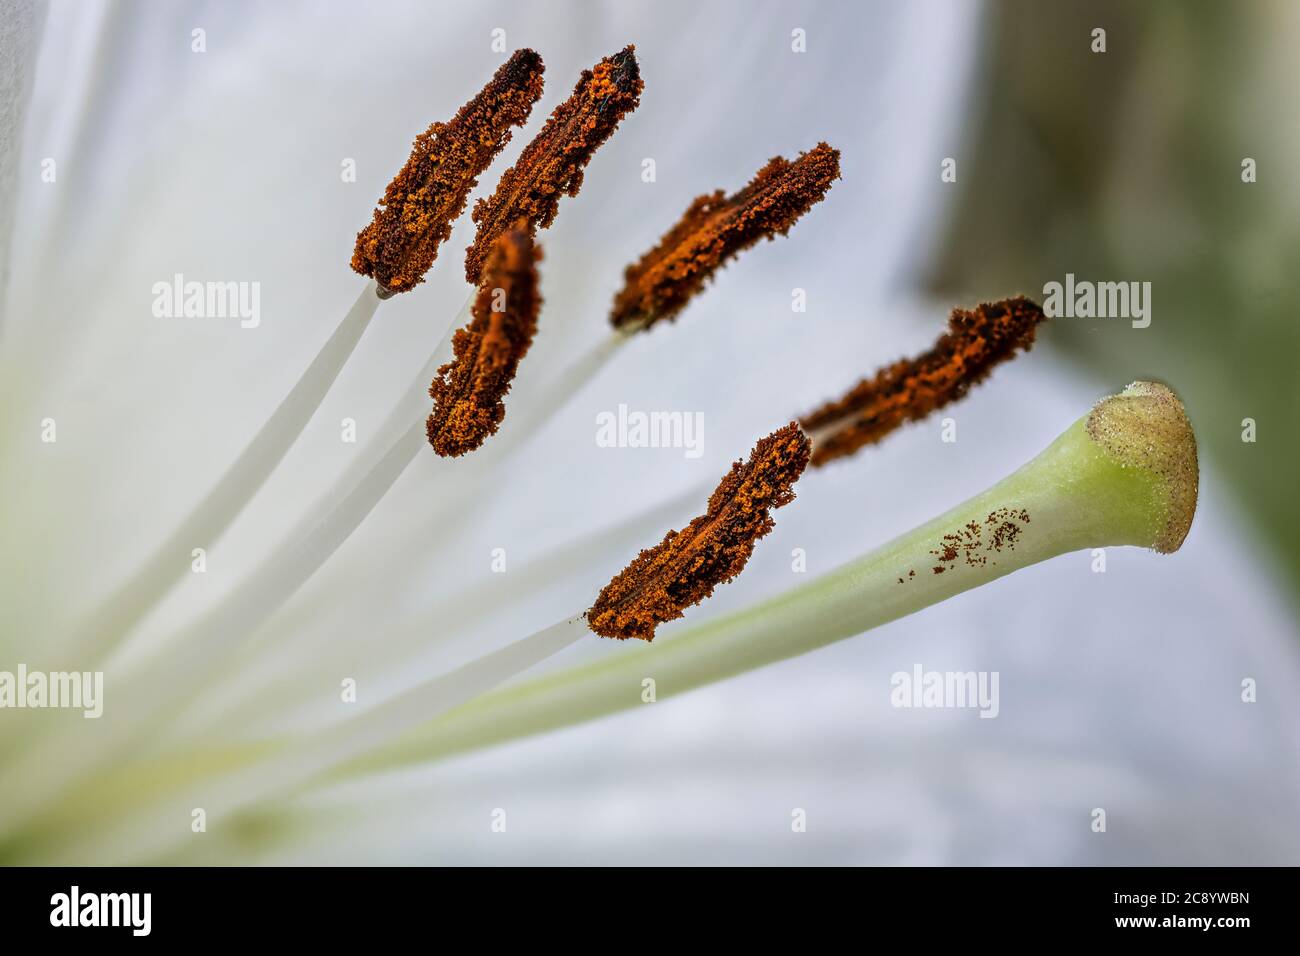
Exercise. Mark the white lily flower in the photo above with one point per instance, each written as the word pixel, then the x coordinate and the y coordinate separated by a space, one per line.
pixel 246 143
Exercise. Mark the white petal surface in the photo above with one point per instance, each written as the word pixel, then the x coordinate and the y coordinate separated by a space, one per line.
pixel 1119 690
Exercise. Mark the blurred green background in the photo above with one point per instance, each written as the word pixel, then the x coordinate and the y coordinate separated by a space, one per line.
pixel 1127 165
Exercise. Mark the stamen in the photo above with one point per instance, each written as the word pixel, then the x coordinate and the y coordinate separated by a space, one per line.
pixel 684 568
pixel 430 191
pixel 551 165
pixel 975 342
pixel 468 391
pixel 715 229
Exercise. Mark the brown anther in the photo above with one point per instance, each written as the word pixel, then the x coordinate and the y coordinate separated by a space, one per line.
pixel 684 568
pixel 976 342
pixel 552 165
pixel 468 392
pixel 715 229
pixel 430 191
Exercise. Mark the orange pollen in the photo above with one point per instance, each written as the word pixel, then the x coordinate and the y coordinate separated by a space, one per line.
pixel 552 165
pixel 468 391
pixel 975 343
pixel 429 193
pixel 684 568
pixel 715 229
